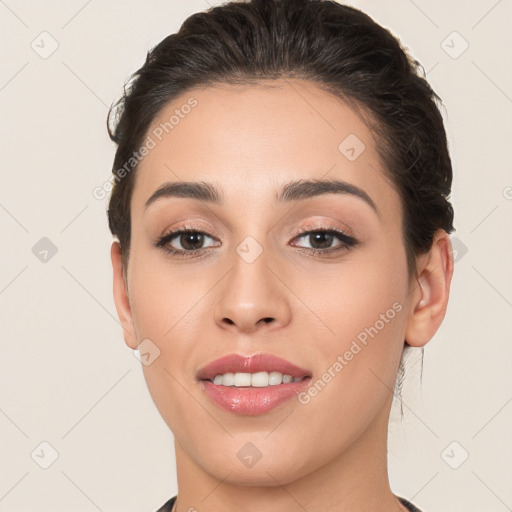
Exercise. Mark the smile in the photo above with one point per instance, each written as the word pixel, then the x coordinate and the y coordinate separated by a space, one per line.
pixel 252 384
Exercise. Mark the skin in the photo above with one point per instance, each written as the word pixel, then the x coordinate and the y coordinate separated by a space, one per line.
pixel 328 454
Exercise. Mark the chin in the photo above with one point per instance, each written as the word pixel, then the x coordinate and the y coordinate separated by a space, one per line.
pixel 278 468
pixel 269 475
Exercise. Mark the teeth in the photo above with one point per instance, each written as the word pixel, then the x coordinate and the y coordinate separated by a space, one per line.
pixel 256 380
pixel 242 379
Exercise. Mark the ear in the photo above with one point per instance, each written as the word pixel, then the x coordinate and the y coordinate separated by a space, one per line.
pixel 431 292
pixel 121 298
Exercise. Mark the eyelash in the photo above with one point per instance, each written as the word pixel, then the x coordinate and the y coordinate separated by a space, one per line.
pixel 347 241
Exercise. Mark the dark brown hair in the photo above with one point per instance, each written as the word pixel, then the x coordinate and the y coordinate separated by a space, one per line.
pixel 339 48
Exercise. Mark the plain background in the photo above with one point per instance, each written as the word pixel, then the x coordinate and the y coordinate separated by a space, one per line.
pixel 66 376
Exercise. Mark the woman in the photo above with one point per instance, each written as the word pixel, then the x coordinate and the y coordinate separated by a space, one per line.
pixel 282 227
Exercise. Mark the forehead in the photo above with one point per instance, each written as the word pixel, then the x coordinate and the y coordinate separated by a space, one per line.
pixel 249 138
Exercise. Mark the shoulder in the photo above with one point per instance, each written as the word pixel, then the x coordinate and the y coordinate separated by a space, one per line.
pixel 408 505
pixel 167 506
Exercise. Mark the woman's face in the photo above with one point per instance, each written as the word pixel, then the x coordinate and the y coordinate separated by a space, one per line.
pixel 254 284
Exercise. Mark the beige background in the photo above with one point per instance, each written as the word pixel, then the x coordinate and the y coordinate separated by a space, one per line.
pixel 66 376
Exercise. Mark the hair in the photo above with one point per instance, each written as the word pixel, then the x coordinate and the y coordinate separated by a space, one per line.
pixel 340 49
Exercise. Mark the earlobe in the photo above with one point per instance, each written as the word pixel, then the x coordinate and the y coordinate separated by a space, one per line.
pixel 121 298
pixel 430 297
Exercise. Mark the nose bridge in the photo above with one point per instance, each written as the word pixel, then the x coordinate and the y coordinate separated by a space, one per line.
pixel 251 294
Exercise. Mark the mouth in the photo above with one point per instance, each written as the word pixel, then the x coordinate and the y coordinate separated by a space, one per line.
pixel 254 384
pixel 256 370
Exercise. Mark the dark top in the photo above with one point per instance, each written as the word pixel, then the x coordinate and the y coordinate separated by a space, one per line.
pixel 166 507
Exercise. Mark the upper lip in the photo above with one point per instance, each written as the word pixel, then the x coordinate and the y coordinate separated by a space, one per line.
pixel 260 362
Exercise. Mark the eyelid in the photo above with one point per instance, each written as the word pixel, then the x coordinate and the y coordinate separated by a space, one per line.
pixel 317 225
pixel 190 225
pixel 310 225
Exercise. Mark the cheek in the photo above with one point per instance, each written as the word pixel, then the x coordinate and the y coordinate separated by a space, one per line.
pixel 352 296
pixel 362 346
pixel 168 309
pixel 164 296
pixel 361 313
pixel 356 363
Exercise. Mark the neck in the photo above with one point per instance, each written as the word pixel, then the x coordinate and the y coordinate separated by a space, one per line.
pixel 355 480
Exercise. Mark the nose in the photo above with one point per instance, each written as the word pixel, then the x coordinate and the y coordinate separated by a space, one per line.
pixel 252 296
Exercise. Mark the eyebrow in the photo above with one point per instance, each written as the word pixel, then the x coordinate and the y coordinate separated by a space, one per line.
pixel 291 191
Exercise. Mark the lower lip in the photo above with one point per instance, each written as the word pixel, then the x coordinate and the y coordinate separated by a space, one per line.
pixel 251 401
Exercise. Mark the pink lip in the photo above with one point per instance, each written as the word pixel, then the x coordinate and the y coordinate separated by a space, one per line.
pixel 260 362
pixel 251 401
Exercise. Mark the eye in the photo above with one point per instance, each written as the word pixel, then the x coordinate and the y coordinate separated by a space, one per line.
pixel 188 240
pixel 321 240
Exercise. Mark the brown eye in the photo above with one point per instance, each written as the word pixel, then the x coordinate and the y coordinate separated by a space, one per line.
pixel 321 241
pixel 184 241
pixel 191 241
